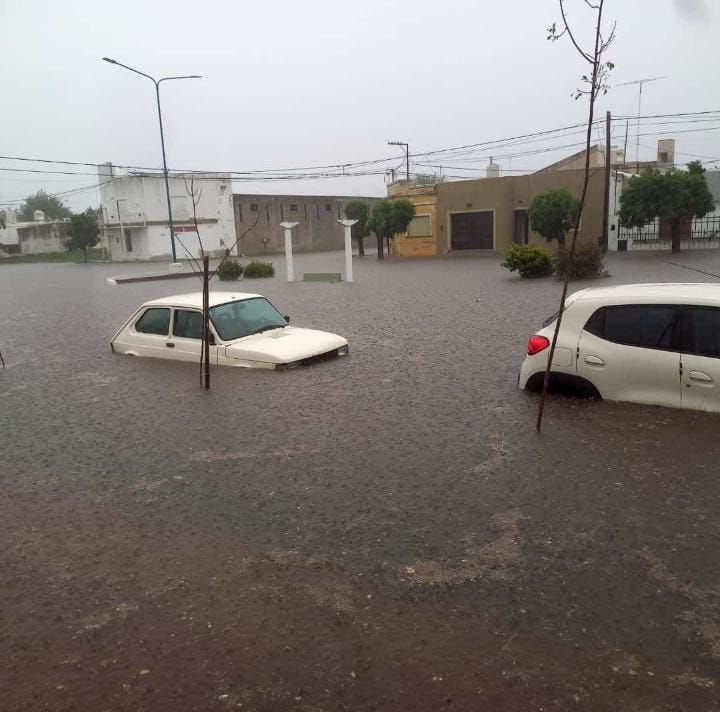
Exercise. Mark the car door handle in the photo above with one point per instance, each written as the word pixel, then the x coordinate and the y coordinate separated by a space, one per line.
pixel 169 344
pixel 700 376
pixel 594 361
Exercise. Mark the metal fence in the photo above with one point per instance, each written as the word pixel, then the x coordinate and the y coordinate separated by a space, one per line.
pixel 700 229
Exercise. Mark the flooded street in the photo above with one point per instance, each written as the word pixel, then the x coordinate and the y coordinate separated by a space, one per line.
pixel 382 532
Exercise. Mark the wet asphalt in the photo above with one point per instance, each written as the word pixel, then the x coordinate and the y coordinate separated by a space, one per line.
pixel 381 532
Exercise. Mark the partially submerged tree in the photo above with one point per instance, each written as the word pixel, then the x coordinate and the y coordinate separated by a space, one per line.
pixel 388 218
pixel 670 197
pixel 83 231
pixel 358 209
pixel 552 213
pixel 51 205
pixel 594 84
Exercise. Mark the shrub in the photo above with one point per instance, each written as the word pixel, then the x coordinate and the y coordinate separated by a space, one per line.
pixel 587 263
pixel 529 261
pixel 229 270
pixel 259 269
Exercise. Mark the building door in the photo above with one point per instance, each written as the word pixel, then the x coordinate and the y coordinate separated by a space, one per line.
pixel 521 227
pixel 472 231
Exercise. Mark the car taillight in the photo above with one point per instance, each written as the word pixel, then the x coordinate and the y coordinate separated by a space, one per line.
pixel 537 344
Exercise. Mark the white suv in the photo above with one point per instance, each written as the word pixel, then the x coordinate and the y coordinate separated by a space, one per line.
pixel 643 343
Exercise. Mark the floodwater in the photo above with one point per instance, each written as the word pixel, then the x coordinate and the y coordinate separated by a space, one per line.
pixel 382 532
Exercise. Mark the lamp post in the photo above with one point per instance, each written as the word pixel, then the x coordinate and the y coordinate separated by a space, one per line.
pixel 157 82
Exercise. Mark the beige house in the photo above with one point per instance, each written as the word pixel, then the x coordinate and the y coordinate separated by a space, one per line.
pixel 488 215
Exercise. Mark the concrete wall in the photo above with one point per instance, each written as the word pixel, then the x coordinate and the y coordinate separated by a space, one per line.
pixel 317 215
pixel 39 237
pixel 139 202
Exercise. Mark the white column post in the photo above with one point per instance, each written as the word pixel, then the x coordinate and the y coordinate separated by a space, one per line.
pixel 288 226
pixel 347 224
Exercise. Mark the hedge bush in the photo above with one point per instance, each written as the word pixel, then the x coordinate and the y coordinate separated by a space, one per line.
pixel 256 268
pixel 529 261
pixel 587 263
pixel 230 270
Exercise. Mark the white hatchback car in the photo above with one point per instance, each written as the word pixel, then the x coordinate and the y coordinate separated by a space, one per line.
pixel 246 330
pixel 643 343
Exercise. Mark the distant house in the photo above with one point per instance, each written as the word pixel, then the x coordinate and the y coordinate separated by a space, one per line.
pixel 134 215
pixel 33 237
pixel 258 218
pixel 488 215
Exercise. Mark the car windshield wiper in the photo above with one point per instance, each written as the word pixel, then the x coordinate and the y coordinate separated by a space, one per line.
pixel 267 327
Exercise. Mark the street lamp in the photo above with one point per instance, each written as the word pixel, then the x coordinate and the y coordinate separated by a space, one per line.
pixel 156 82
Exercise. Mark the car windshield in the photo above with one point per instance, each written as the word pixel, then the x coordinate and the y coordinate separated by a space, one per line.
pixel 233 320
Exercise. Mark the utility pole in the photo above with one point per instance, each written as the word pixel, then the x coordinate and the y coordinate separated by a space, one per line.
pixel 606 201
pixel 640 83
pixel 123 244
pixel 406 147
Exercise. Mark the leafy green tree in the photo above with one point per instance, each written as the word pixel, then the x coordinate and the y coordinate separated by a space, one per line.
pixel 83 231
pixel 669 197
pixel 552 213
pixel 388 218
pixel 51 205
pixel 358 209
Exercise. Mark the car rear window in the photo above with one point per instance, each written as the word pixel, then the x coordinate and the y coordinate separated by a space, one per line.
pixel 645 325
pixel 154 321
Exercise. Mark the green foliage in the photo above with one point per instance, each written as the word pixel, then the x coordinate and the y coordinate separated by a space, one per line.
pixel 94 255
pixel 587 262
pixel 49 204
pixel 552 214
pixel 389 217
pixel 529 261
pixel 83 231
pixel 358 209
pixel 668 196
pixel 229 270
pixel 256 268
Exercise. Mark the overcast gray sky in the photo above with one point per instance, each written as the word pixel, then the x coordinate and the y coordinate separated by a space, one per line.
pixel 289 83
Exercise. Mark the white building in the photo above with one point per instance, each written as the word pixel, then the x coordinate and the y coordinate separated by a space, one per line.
pixel 34 237
pixel 134 223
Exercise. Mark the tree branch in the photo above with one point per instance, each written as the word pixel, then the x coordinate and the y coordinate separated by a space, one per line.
pixel 582 52
pixel 257 218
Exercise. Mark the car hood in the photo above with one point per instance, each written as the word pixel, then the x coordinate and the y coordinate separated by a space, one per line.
pixel 284 345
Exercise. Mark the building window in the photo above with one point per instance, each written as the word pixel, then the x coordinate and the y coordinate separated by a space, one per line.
pixel 663 157
pixel 253 207
pixel 317 211
pixel 420 226
pixel 328 207
pixel 339 208
pixel 305 209
pixel 239 206
pixel 293 207
pixel 282 212
pixel 267 211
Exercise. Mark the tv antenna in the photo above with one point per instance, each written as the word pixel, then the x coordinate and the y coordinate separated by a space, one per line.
pixel 639 83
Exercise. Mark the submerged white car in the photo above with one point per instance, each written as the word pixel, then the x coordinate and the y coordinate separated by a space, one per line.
pixel 246 330
pixel 644 343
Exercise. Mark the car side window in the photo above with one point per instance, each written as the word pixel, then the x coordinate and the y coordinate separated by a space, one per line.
pixel 187 324
pixel 650 326
pixel 154 321
pixel 702 331
pixel 596 323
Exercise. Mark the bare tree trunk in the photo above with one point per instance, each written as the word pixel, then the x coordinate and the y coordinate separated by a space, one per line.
pixel 85 253
pixel 595 85
pixel 675 236
pixel 361 247
pixel 380 246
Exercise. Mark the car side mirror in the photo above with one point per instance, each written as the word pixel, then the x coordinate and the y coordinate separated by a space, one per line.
pixel 287 319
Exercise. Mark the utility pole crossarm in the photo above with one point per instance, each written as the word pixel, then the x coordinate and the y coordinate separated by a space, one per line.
pixel 407 155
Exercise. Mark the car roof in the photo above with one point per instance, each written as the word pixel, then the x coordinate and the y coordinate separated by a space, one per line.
pixel 665 291
pixel 194 299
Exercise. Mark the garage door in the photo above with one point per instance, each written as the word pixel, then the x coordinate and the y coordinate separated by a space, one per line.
pixel 471 231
